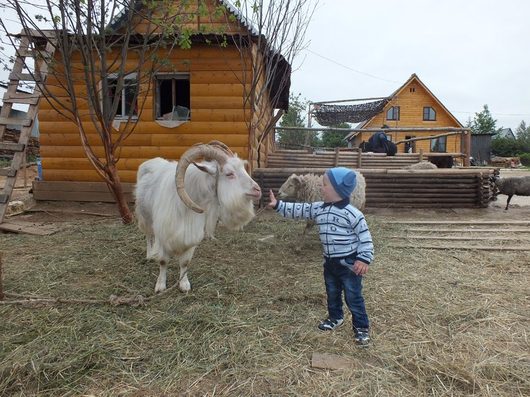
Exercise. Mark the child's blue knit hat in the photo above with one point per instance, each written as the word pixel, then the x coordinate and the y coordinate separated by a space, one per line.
pixel 343 180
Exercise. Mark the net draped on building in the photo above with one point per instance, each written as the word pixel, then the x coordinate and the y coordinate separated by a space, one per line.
pixel 329 115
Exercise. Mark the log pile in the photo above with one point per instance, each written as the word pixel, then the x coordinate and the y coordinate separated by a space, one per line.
pixel 11 135
pixel 390 188
pixel 345 158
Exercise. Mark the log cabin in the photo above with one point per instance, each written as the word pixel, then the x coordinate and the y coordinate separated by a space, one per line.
pixel 413 105
pixel 204 94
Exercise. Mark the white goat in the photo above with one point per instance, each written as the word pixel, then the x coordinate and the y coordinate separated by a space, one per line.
pixel 166 207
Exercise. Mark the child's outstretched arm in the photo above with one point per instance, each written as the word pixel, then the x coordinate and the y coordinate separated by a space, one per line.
pixel 272 200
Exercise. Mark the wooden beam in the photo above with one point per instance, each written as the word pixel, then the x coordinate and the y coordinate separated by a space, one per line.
pixel 457 238
pixel 456 222
pixel 428 137
pixel 469 247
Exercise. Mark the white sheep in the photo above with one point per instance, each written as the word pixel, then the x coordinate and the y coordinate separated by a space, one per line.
pixel 308 188
pixel 514 185
pixel 422 165
pixel 177 213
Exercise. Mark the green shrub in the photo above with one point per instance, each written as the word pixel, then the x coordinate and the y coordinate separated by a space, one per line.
pixel 525 159
pixel 504 147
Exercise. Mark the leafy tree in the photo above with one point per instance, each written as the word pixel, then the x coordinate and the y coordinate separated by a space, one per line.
pixel 504 147
pixel 332 139
pixel 294 117
pixel 523 137
pixel 484 123
pixel 120 62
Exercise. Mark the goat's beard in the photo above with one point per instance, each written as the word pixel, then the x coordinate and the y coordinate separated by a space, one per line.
pixel 236 213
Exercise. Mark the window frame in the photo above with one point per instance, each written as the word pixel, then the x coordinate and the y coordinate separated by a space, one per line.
pixel 436 141
pixel 395 113
pixel 121 114
pixel 431 111
pixel 170 76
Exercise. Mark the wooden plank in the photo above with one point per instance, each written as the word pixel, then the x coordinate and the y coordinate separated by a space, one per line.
pixel 38 229
pixel 458 238
pixel 468 247
pixel 8 172
pixel 15 121
pixel 15 147
pixel 77 186
pixel 330 361
pixel 457 222
pixel 470 230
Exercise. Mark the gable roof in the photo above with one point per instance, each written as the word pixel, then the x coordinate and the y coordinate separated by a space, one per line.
pixel 506 133
pixel 412 78
pixel 121 17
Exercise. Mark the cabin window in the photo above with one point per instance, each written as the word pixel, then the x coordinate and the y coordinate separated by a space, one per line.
pixel 439 145
pixel 429 114
pixel 393 113
pixel 173 96
pixel 128 102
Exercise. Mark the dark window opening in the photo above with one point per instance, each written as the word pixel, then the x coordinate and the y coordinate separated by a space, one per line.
pixel 410 147
pixel 173 97
pixel 127 101
pixel 393 113
pixel 412 89
pixel 429 114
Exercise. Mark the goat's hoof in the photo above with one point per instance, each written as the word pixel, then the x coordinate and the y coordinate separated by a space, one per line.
pixel 159 288
pixel 185 286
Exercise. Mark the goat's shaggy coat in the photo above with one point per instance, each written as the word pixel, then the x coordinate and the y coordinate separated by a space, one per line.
pixel 171 227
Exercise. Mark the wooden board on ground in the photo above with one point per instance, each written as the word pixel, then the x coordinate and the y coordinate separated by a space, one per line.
pixel 468 247
pixel 330 361
pixel 416 222
pixel 35 228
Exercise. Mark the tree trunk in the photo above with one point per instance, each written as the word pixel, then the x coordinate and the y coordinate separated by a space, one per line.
pixel 116 189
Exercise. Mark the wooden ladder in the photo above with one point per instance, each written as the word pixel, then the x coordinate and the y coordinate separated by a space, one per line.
pixel 26 49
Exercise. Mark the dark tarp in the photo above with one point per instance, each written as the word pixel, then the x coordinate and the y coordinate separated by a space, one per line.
pixel 335 114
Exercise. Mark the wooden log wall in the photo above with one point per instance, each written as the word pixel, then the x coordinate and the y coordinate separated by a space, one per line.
pixel 217 113
pixel 411 99
pixel 449 188
pixel 350 158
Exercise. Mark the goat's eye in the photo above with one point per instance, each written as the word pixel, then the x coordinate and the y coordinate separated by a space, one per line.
pixel 230 175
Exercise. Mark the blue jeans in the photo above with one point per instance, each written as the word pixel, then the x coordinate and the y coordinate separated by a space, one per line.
pixel 339 277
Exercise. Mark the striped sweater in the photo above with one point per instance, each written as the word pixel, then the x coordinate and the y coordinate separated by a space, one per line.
pixel 342 227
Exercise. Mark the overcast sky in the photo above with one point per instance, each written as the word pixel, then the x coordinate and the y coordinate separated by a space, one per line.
pixel 468 53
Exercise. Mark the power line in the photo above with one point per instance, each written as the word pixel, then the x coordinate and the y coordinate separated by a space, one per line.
pixel 349 68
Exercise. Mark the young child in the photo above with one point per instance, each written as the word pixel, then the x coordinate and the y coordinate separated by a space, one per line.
pixel 347 246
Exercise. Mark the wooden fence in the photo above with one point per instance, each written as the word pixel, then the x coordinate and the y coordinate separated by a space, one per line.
pixel 351 158
pixel 440 188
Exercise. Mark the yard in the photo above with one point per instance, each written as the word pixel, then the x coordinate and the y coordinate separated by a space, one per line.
pixel 444 322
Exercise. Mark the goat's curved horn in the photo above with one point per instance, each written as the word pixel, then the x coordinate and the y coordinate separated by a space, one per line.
pixel 222 146
pixel 206 151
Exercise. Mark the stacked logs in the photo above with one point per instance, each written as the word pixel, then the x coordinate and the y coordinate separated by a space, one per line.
pixel 11 135
pixel 345 158
pixel 439 188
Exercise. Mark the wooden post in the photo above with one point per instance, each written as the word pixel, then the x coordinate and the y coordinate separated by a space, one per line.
pixel 337 155
pixel 1 285
pixel 421 154
pixel 359 157
pixel 25 166
pixel 467 148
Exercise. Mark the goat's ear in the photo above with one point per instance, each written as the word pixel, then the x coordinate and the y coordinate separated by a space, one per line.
pixel 208 168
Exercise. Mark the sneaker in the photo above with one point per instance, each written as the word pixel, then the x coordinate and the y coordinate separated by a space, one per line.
pixel 329 324
pixel 362 337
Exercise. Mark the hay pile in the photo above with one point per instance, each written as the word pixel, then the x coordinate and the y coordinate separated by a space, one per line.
pixel 444 322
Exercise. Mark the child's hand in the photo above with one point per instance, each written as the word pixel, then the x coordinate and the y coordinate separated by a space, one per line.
pixel 272 200
pixel 360 268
